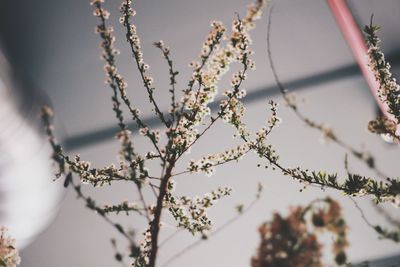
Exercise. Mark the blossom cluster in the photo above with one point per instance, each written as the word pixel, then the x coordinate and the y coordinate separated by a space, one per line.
pixel 143 257
pixel 190 213
pixel 216 59
pixel 9 256
pixel 271 123
pixel 254 12
pixel 195 103
pixel 208 163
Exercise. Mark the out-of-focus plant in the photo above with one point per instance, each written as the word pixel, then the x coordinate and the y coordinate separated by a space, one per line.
pixel 293 242
pixel 188 120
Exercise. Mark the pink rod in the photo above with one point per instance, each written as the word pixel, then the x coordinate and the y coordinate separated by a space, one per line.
pixel 355 40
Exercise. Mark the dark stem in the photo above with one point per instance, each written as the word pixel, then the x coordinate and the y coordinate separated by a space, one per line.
pixel 155 224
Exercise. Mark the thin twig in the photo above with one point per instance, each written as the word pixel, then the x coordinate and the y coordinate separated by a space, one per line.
pixel 364 156
pixel 212 234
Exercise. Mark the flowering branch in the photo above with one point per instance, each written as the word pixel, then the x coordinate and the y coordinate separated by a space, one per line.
pixel 166 53
pixel 134 41
pixel 389 90
pixel 328 133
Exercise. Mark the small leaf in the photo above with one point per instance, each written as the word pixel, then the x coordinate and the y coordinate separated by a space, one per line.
pixel 239 208
pixel 118 257
pixel 68 180
pixel 119 228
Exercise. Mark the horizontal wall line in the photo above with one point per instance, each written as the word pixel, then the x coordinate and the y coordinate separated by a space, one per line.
pixel 91 138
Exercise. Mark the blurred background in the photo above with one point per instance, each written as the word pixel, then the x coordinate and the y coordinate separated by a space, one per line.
pixel 50 54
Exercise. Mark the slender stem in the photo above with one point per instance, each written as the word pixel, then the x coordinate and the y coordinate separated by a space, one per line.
pixel 90 204
pixel 139 64
pixel 166 52
pixel 142 199
pixel 214 233
pixel 213 165
pixel 362 213
pixel 168 238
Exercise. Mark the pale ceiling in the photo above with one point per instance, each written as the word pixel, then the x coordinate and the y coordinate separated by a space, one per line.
pixel 54 44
